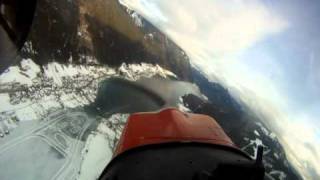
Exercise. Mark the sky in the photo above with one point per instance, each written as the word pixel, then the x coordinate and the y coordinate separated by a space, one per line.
pixel 265 52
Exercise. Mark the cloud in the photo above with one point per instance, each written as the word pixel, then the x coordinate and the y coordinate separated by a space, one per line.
pixel 217 26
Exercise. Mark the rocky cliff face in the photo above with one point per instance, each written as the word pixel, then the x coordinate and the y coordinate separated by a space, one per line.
pixel 71 31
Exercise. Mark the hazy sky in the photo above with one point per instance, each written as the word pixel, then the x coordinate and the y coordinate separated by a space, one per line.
pixel 266 52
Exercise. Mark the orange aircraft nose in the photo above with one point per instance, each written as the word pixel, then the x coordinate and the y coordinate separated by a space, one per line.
pixel 170 125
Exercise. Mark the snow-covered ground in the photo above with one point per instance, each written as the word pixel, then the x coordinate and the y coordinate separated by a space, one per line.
pixel 30 92
pixel 100 146
pixel 269 153
pixel 49 97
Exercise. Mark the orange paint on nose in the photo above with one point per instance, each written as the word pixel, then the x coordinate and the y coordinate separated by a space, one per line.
pixel 170 125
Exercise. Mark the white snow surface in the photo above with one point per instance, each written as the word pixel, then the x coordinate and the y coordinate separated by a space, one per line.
pixel 30 92
pixel 137 19
pixel 99 147
pixel 182 107
pixel 23 74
